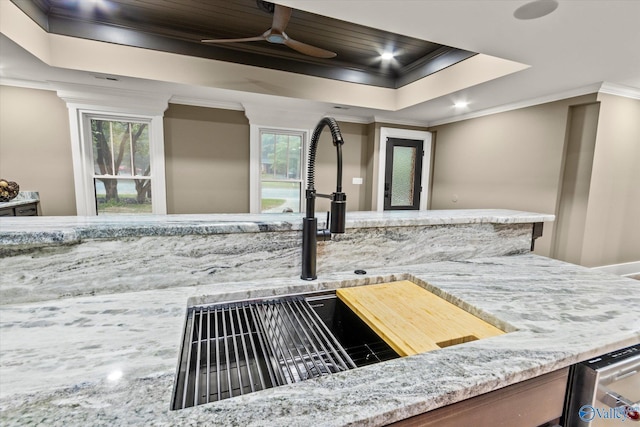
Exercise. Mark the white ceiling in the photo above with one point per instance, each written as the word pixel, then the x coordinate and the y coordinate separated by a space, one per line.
pixel 573 50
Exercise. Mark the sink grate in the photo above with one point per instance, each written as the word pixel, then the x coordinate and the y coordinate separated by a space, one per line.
pixel 239 348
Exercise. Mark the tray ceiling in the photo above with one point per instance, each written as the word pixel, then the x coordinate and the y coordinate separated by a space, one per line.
pixel 178 26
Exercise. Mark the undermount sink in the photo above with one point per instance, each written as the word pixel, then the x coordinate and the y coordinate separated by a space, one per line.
pixel 235 348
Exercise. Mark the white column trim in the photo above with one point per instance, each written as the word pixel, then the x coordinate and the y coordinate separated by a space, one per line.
pixel 254 168
pixel 158 176
pixel 77 156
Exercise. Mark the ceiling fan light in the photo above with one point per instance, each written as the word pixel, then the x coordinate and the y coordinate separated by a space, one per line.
pixel 275 38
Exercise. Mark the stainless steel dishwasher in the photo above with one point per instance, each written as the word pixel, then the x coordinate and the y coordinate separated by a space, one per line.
pixel 605 391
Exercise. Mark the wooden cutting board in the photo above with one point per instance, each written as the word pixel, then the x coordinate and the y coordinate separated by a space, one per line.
pixel 411 319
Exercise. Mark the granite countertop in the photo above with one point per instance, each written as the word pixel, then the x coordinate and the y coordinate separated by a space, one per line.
pixel 48 230
pixel 110 359
pixel 23 198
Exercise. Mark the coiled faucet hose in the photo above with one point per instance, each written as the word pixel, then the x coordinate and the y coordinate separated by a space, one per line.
pixel 337 141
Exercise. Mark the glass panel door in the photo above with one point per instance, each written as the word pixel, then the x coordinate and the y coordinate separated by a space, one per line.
pixel 403 172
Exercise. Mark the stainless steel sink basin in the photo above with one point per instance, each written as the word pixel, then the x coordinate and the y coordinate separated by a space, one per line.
pixel 235 348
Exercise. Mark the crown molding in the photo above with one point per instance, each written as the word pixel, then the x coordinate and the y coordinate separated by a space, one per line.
pixel 417 123
pixel 208 103
pixel 349 119
pixel 585 90
pixel 27 84
pixel 261 115
pixel 125 100
pixel 619 90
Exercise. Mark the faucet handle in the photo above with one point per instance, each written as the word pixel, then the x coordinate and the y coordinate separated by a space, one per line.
pixel 323 234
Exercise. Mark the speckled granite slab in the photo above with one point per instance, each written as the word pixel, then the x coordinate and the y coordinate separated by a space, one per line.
pixel 101 266
pixel 52 257
pixel 110 360
pixel 55 230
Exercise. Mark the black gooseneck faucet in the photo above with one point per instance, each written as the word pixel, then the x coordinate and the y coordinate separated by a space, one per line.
pixel 310 232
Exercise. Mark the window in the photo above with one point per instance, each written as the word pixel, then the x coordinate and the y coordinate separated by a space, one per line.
pixel 121 166
pixel 117 145
pixel 280 170
pixel 118 163
pixel 277 148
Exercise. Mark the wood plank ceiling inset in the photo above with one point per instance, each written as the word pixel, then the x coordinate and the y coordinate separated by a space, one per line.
pixel 179 26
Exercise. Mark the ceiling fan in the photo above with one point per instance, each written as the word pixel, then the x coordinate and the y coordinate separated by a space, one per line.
pixel 276 34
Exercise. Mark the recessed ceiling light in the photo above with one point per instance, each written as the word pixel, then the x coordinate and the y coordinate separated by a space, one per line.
pixel 461 104
pixel 386 56
pixel 535 9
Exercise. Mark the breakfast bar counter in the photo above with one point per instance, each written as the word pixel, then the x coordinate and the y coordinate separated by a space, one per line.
pixel 47 258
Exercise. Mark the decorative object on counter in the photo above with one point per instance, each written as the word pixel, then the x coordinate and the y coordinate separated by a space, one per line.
pixel 24 204
pixel 8 190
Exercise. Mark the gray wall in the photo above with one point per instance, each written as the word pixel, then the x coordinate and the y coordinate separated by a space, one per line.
pixel 35 150
pixel 612 223
pixel 576 158
pixel 354 165
pixel 510 160
pixel 207 160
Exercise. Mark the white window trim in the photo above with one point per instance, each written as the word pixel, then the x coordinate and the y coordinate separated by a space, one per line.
pixel 261 118
pixel 255 163
pixel 426 138
pixel 84 102
pixel 156 154
pixel 303 155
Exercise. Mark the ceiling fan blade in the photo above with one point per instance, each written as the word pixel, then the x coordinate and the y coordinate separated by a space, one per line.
pixel 307 49
pixel 246 39
pixel 281 16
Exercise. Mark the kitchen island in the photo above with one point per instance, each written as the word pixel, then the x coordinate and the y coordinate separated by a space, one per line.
pixel 110 358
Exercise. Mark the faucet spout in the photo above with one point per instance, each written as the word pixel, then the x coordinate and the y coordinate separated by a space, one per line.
pixel 310 230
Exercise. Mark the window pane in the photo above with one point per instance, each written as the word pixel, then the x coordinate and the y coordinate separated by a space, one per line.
pixel 295 156
pixel 268 155
pixel 402 181
pixel 280 196
pixel 121 147
pixel 116 196
pixel 140 144
pixel 101 142
pixel 282 156
pixel 281 171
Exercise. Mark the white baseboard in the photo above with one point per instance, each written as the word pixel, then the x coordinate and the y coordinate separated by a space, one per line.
pixel 626 269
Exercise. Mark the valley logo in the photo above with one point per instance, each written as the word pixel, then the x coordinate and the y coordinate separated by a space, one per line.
pixel 588 413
